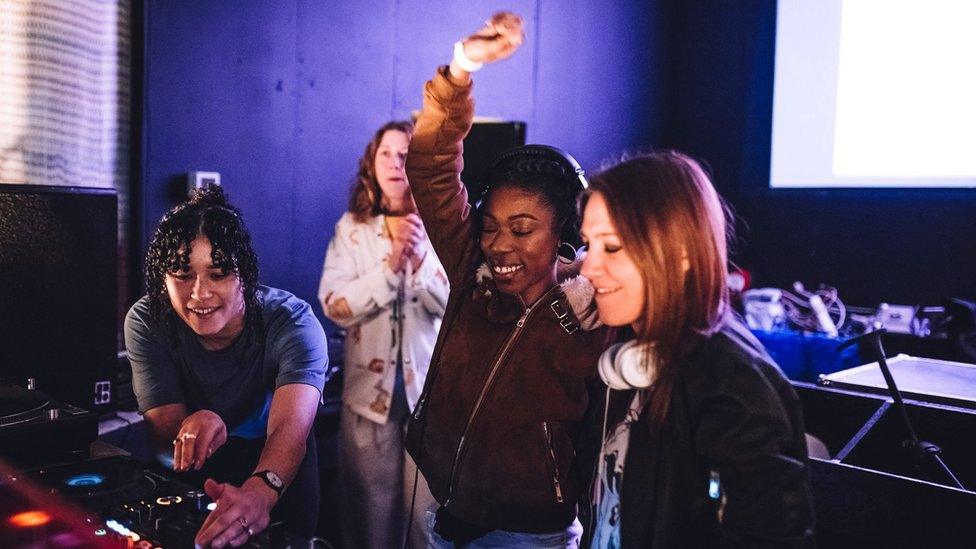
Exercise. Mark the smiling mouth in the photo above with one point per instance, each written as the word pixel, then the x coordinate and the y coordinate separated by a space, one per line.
pixel 203 311
pixel 506 270
pixel 606 291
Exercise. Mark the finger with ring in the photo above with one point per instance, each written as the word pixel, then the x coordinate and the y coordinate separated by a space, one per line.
pixel 243 522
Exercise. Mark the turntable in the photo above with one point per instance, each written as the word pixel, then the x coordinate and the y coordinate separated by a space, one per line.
pixel 34 427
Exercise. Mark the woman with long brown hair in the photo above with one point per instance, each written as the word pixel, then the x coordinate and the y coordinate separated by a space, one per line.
pixel 701 442
pixel 386 287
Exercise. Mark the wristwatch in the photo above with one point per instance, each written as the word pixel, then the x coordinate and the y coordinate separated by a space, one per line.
pixel 271 479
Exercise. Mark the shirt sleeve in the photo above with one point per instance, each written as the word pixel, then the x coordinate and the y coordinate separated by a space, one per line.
pixel 434 165
pixel 365 293
pixel 299 345
pixel 155 374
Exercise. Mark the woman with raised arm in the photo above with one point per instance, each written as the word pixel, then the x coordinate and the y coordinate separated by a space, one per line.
pixel 703 445
pixel 495 428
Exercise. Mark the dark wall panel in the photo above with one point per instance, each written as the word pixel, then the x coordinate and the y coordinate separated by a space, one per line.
pixel 898 246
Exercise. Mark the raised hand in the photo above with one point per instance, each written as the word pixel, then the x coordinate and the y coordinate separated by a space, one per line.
pixel 498 39
pixel 200 434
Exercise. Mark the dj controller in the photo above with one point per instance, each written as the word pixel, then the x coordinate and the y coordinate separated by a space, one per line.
pixel 80 502
pixel 110 502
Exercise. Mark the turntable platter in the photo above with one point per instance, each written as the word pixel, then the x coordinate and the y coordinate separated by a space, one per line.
pixel 19 403
pixel 36 429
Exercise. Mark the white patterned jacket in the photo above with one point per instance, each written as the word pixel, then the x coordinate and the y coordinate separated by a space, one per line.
pixel 356 269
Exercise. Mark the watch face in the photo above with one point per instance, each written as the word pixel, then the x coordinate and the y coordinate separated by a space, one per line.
pixel 274 479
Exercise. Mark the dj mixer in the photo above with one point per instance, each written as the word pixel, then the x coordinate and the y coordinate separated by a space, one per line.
pixel 109 502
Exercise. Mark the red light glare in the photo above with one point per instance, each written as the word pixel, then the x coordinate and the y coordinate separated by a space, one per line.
pixel 29 519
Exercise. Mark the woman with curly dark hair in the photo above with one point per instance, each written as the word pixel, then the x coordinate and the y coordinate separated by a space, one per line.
pixel 495 429
pixel 383 283
pixel 228 370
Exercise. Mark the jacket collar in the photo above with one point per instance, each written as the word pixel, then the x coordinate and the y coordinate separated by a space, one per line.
pixel 575 287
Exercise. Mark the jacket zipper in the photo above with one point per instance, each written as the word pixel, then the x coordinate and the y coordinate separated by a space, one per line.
pixel 509 343
pixel 552 458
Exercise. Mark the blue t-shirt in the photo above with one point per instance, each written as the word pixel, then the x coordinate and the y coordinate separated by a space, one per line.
pixel 237 382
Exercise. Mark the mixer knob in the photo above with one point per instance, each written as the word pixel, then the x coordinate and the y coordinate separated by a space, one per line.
pixel 197 499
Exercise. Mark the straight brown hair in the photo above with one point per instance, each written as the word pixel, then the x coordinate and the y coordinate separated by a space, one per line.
pixel 668 215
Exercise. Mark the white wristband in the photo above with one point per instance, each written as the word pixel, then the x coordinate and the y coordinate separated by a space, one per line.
pixel 463 61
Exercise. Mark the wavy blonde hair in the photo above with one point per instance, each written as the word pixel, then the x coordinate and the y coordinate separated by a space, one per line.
pixel 365 196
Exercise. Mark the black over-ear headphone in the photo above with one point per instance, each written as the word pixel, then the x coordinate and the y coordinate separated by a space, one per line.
pixel 551 162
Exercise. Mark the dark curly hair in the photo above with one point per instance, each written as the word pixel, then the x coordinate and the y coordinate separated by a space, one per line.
pixel 209 214
pixel 546 172
pixel 365 196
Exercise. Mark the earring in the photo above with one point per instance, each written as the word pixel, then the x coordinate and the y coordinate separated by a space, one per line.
pixel 565 259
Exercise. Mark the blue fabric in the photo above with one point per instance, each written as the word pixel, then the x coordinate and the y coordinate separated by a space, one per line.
pixel 497 539
pixel 236 382
pixel 255 425
pixel 399 408
pixel 805 356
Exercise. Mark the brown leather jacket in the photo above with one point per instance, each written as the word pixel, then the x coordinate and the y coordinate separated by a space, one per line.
pixel 495 428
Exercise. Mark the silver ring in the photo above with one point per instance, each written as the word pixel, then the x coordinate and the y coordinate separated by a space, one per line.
pixel 243 522
pixel 187 436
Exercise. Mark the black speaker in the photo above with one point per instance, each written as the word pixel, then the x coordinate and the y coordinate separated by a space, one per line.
pixel 58 291
pixel 486 141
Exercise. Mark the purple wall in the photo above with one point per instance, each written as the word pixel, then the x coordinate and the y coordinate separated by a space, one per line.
pixel 282 96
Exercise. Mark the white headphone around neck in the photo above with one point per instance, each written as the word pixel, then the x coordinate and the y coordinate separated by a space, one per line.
pixel 628 365
pixel 624 366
